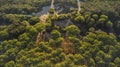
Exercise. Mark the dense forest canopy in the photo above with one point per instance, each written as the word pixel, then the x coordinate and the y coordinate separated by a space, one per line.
pixel 34 34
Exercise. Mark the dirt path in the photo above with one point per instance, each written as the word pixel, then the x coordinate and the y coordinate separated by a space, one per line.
pixel 43 20
pixel 79 5
pixel 52 4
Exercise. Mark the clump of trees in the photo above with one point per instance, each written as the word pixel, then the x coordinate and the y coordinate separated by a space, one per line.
pixel 88 20
pixel 89 39
pixel 22 7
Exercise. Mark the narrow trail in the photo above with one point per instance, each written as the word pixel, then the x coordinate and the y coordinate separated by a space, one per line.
pixel 39 35
pixel 43 20
pixel 79 6
pixel 52 4
pixel 44 16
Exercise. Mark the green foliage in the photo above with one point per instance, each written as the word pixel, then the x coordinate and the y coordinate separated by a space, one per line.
pixel 31 30
pixel 44 47
pixel 91 63
pixel 76 43
pixel 101 64
pixel 104 16
pixel 79 59
pixel 56 43
pixel 51 10
pixel 92 21
pixel 4 34
pixel 3 58
pixel 34 20
pixel 24 37
pixel 40 27
pixel 109 24
pixel 111 65
pixel 72 30
pixel 101 20
pixel 10 64
pixel 62 17
pixel 117 61
pixel 68 39
pixel 55 34
pixel 95 16
pixel 79 19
